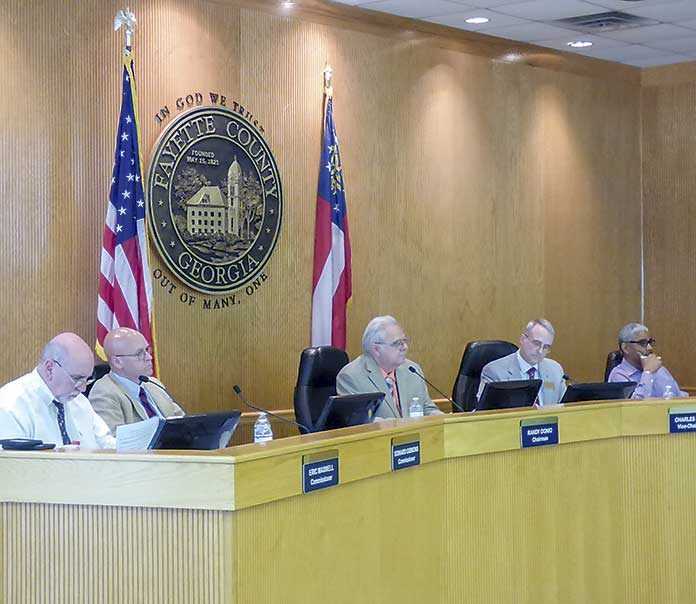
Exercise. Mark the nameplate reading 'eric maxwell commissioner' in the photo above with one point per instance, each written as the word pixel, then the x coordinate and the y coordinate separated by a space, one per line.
pixel 215 199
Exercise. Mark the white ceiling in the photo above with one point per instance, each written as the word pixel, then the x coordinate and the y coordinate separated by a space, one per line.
pixel 671 40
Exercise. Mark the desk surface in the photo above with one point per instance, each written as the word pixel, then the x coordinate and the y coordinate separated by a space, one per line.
pixel 603 517
pixel 248 475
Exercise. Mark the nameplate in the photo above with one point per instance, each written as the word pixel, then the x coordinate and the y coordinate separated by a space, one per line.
pixel 682 419
pixel 539 432
pixel 405 451
pixel 319 471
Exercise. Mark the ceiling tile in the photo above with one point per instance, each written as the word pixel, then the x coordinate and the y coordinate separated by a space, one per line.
pixel 624 5
pixel 459 20
pixel 545 10
pixel 649 33
pixel 682 45
pixel 631 51
pixel 597 42
pixel 415 8
pixel 665 12
pixel 654 61
pixel 529 32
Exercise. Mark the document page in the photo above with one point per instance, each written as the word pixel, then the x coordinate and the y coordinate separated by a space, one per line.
pixel 137 436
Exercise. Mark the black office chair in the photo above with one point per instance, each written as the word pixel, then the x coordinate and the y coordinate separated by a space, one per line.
pixel 316 382
pixel 476 356
pixel 614 358
pixel 99 371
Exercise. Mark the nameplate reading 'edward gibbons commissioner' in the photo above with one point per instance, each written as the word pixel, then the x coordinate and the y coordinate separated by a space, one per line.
pixel 215 199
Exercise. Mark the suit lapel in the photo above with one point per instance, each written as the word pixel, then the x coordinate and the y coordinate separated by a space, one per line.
pixel 137 406
pixel 374 374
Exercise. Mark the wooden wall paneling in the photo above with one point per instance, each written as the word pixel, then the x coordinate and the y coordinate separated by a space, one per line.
pixel 445 157
pixel 592 191
pixel 670 218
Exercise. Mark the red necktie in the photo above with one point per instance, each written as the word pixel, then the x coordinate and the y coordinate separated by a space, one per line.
pixel 146 403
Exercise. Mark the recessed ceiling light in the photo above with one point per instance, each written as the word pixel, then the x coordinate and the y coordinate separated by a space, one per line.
pixel 580 44
pixel 477 20
pixel 287 4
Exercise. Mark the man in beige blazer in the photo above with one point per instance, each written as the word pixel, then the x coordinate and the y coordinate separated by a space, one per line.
pixel 383 367
pixel 119 397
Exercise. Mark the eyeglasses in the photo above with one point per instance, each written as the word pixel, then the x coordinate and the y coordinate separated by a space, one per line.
pixel 142 355
pixel 400 343
pixel 539 344
pixel 644 343
pixel 79 381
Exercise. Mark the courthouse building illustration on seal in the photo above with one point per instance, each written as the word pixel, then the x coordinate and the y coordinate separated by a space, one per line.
pixel 209 211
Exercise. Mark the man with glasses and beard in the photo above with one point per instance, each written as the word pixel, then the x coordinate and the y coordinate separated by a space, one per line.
pixel 120 397
pixel 383 367
pixel 47 404
pixel 641 365
pixel 529 362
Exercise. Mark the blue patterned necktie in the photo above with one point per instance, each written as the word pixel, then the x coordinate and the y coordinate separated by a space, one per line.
pixel 61 422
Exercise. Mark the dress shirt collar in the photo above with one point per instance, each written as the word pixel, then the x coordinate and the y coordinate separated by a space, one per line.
pixel 40 388
pixel 525 367
pixel 131 388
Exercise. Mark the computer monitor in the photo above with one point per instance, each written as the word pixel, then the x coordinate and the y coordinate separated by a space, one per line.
pixel 506 395
pixel 349 410
pixel 598 391
pixel 200 432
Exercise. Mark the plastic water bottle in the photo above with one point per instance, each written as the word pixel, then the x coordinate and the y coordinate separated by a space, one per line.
pixel 668 392
pixel 415 409
pixel 262 429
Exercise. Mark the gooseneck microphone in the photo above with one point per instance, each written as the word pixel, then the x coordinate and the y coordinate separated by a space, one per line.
pixel 567 378
pixel 146 380
pixel 238 391
pixel 412 369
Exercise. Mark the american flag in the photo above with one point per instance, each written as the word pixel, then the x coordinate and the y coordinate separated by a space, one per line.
pixel 125 288
pixel 332 272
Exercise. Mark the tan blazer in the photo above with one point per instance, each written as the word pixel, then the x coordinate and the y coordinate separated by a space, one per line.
pixel 116 407
pixel 363 375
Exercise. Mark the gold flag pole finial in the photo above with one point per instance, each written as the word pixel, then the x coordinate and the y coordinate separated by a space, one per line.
pixel 328 76
pixel 127 18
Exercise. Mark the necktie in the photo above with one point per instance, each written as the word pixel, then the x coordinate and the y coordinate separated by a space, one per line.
pixel 146 403
pixel 394 392
pixel 531 372
pixel 61 422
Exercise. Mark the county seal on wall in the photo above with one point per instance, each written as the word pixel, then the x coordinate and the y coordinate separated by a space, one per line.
pixel 215 199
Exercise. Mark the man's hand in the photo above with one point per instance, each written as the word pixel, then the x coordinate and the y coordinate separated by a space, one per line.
pixel 651 362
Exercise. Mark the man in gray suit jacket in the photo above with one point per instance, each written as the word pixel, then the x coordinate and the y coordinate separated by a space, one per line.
pixel 383 367
pixel 530 363
pixel 119 397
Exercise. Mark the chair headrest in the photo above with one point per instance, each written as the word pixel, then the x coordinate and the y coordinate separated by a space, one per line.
pixel 481 352
pixel 319 366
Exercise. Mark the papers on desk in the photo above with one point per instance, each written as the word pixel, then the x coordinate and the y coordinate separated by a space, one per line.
pixel 139 436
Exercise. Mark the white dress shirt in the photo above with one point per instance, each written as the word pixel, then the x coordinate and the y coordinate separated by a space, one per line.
pixel 27 411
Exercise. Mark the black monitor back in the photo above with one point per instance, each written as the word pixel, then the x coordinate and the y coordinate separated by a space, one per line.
pixel 349 410
pixel 199 432
pixel 598 391
pixel 506 395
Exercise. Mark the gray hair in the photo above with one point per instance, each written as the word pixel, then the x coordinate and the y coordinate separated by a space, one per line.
pixel 630 332
pixel 54 351
pixel 546 324
pixel 374 332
